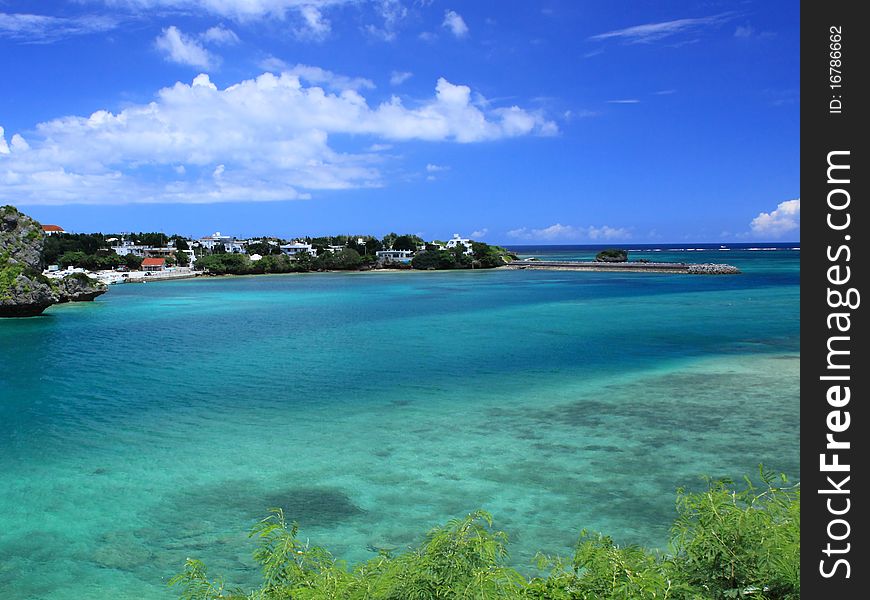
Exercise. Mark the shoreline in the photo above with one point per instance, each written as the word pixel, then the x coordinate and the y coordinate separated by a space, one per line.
pixel 595 267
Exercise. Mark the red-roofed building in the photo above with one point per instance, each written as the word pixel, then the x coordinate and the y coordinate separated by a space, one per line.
pixel 52 229
pixel 154 264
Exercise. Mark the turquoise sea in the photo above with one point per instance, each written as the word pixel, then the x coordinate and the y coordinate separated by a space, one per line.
pixel 162 420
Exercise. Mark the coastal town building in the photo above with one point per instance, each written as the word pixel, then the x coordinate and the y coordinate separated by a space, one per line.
pixel 394 255
pixel 129 247
pixel 126 247
pixel 52 229
pixel 153 265
pixel 296 248
pixel 456 241
pixel 230 244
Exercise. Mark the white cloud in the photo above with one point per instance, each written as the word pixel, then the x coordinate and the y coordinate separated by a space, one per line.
pixel 625 101
pixel 273 64
pixel 480 233
pixel 239 10
pixel 400 77
pixel 568 233
pixel 182 49
pixel 651 32
pixel 42 29
pixel 315 25
pixel 271 134
pixel 316 75
pixel 784 219
pixel 393 12
pixel 455 23
pixel 430 168
pixel 4 147
pixel 331 80
pixel 607 233
pixel 220 36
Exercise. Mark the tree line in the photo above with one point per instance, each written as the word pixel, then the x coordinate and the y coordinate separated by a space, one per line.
pixel 93 251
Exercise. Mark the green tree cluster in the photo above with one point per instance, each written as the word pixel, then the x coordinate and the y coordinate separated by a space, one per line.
pixel 347 259
pixel 59 244
pixel 483 256
pixel 92 262
pixel 263 248
pixel 727 542
pixel 612 255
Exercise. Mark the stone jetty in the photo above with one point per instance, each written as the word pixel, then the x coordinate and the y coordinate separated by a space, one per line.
pixel 626 267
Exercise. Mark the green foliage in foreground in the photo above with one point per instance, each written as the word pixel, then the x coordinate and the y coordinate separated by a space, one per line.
pixel 726 543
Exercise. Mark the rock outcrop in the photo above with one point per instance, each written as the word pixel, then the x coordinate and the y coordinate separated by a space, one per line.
pixel 78 287
pixel 712 269
pixel 24 290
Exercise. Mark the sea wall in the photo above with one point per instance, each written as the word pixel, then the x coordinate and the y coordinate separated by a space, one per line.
pixel 627 267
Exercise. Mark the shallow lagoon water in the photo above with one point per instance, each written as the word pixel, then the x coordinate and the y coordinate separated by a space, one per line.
pixel 162 420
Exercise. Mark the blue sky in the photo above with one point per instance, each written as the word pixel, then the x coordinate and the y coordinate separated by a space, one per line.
pixel 516 122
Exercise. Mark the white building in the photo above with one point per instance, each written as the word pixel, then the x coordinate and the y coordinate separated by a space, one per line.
pixel 453 243
pixel 295 248
pixel 394 255
pixel 52 229
pixel 231 245
pixel 130 247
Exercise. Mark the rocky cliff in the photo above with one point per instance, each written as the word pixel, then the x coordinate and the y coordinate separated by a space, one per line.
pixel 24 291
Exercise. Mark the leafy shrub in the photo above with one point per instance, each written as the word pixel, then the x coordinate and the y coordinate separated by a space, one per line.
pixel 729 541
pixel 225 264
pixel 434 259
pixel 726 543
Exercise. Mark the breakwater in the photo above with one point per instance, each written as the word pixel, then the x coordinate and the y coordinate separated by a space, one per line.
pixel 630 267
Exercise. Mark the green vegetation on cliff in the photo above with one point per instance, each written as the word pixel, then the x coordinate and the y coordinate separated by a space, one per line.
pixel 727 542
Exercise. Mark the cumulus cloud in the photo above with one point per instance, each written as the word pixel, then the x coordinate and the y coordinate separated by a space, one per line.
pixel 480 233
pixel 430 168
pixel 784 219
pixel 183 49
pixel 400 77
pixel 328 79
pixel 607 233
pixel 569 233
pixel 269 135
pixel 455 23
